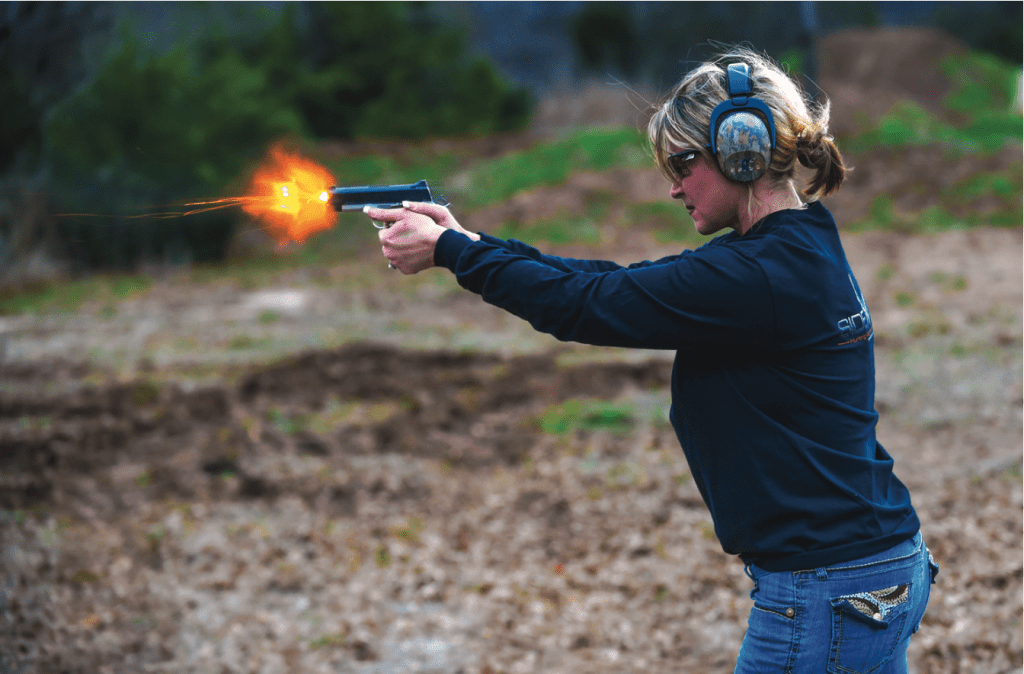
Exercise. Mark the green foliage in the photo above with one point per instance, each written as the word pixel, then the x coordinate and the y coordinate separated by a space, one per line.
pixel 69 296
pixel 158 129
pixel 670 222
pixel 166 128
pixel 18 117
pixel 379 169
pixel 348 82
pixel 982 81
pixel 496 180
pixel 954 283
pixel 956 208
pixel 591 149
pixel 885 272
pixel 382 557
pixel 148 118
pixel 905 299
pixel 586 415
pixel 906 124
pixel 993 27
pixel 269 317
pixel 981 99
pixel 567 228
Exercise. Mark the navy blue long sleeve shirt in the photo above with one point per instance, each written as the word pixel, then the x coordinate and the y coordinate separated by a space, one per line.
pixel 773 383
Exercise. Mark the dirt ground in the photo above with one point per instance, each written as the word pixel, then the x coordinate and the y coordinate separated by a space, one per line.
pixel 383 500
pixel 344 470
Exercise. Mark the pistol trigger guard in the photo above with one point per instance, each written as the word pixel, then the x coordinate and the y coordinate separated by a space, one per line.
pixel 441 201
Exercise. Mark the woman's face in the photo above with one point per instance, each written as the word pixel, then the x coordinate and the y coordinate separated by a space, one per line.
pixel 711 199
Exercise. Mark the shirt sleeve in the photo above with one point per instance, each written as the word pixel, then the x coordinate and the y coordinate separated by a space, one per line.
pixel 566 263
pixel 715 295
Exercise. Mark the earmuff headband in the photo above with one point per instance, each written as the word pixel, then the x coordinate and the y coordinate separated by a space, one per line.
pixel 739 99
pixel 742 130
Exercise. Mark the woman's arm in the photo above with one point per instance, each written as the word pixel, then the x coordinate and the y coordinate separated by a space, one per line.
pixel 567 263
pixel 442 217
pixel 715 296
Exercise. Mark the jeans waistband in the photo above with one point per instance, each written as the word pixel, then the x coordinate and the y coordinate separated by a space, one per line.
pixel 907 549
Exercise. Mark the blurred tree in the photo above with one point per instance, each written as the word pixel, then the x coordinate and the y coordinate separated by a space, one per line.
pixel 153 130
pixel 156 128
pixel 606 37
pixel 419 80
pixel 994 27
pixel 45 53
pixel 19 126
pixel 43 56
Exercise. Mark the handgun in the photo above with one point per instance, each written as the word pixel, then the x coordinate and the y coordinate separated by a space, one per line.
pixel 381 196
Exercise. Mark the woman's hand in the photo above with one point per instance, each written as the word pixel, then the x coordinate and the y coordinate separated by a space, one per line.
pixel 412 232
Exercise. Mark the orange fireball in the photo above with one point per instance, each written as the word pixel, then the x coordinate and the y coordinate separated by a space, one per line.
pixel 289 196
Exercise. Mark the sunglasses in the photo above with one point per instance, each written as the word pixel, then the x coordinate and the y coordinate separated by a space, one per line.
pixel 681 163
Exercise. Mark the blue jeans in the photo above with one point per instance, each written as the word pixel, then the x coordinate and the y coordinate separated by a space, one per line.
pixel 852 618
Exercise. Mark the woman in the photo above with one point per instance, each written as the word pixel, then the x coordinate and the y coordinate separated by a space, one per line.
pixel 773 383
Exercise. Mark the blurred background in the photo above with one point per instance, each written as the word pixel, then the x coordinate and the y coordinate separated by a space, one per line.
pixel 218 455
pixel 114 108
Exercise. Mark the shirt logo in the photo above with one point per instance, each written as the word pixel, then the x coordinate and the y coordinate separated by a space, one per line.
pixel 858 326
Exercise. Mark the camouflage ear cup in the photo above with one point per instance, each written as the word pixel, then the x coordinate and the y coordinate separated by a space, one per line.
pixel 742 129
pixel 743 147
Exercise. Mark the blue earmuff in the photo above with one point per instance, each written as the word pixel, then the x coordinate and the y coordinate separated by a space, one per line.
pixel 742 129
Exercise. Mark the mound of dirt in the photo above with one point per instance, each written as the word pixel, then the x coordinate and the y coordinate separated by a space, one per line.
pixel 865 71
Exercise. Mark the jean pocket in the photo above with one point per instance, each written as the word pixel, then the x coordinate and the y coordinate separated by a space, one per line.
pixel 867 627
pixel 770 642
pixel 787 611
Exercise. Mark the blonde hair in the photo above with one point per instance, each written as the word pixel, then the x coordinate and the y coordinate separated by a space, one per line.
pixel 801 128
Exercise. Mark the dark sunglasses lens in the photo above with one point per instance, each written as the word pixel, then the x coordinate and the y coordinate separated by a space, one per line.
pixel 680 163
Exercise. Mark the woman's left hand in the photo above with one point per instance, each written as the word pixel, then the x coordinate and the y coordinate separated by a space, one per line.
pixel 409 239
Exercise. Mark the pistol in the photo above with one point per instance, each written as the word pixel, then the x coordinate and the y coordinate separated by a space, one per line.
pixel 381 196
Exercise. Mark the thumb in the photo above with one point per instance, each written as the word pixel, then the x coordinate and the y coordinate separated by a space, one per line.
pixel 435 212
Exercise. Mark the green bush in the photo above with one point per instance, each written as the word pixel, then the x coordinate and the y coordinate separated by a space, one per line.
pixel 152 131
pixel 591 149
pixel 381 70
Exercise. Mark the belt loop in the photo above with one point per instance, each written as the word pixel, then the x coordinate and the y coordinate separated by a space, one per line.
pixel 747 569
pixel 820 573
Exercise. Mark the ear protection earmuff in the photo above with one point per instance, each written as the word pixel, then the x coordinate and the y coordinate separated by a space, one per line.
pixel 742 129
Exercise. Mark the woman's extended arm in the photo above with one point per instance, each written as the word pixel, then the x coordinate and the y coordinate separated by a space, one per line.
pixel 716 297
pixel 443 218
pixel 568 263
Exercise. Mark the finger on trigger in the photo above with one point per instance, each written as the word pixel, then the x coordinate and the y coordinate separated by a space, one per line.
pixel 383 214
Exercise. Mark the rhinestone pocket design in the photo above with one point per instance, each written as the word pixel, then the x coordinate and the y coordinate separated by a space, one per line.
pixel 878 603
